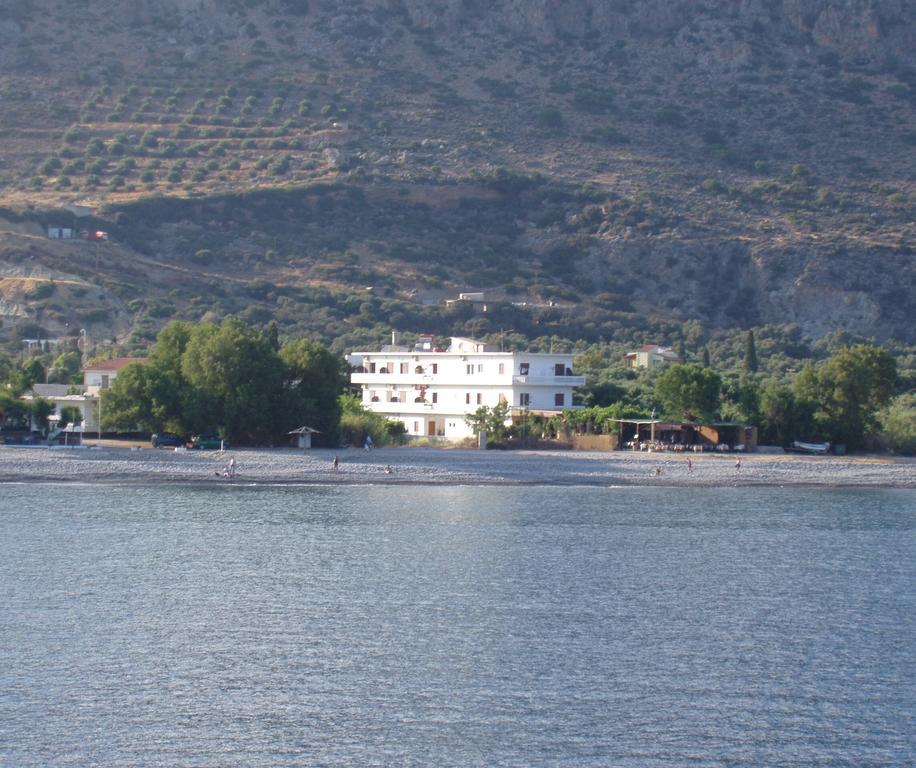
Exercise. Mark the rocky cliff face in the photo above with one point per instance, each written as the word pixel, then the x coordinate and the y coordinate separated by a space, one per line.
pixel 850 27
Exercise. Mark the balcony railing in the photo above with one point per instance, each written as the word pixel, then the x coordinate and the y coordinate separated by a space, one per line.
pixel 569 381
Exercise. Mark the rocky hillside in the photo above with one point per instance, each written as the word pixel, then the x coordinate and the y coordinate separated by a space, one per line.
pixel 593 166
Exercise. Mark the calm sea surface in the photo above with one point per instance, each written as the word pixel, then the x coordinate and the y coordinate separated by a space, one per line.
pixel 458 626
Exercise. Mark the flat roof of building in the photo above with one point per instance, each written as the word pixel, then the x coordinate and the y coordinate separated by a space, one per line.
pixel 115 364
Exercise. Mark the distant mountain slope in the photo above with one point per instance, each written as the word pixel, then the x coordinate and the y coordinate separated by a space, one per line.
pixel 734 163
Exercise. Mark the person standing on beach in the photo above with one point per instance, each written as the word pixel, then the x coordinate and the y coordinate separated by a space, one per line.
pixel 689 466
pixel 335 463
pixel 738 465
pixel 367 446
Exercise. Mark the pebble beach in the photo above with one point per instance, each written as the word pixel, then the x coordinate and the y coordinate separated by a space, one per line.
pixel 126 465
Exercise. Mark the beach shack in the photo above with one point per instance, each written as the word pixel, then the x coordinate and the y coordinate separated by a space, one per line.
pixel 658 435
pixel 303 436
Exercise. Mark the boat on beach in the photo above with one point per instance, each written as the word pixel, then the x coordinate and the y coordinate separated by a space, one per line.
pixel 815 449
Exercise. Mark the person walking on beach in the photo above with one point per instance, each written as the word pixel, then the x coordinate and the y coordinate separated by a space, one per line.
pixel 738 465
pixel 335 463
pixel 689 466
pixel 367 446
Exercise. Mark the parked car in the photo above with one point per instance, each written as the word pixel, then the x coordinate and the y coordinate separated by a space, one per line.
pixel 166 440
pixel 209 442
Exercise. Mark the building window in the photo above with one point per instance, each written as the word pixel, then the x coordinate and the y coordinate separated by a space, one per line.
pixel 502 368
pixel 405 367
pixel 371 367
pixel 559 369
pixel 435 397
pixel 523 369
pixel 479 367
pixel 469 368
pixel 559 399
pixel 416 427
pixel 479 398
pixel 435 367
pixel 467 398
pixel 524 398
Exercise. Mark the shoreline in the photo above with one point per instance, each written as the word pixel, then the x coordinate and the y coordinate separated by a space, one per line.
pixel 127 466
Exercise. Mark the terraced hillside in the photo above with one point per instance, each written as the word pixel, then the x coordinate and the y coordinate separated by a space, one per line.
pixel 603 170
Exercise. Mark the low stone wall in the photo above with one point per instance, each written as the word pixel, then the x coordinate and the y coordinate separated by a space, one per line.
pixel 595 442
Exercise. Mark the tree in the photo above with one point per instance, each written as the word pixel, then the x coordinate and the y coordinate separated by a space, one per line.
pixel 33 371
pixel 750 353
pixel 356 421
pixel 849 388
pixel 236 380
pixel 783 417
pixel 65 369
pixel 127 406
pixel 706 362
pixel 312 381
pixel 689 392
pixel 490 420
pixel 41 409
pixel 899 422
pixel 70 414
pixel 741 400
pixel 273 335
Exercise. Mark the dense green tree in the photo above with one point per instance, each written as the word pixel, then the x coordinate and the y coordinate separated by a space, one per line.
pixel 41 409
pixel 778 415
pixel 127 406
pixel 273 335
pixel 237 381
pixel 313 381
pixel 750 353
pixel 899 423
pixel 229 379
pixel 65 369
pixel 32 372
pixel 706 361
pixel 7 366
pixel 70 414
pixel 689 392
pixel 602 394
pixel 849 388
pixel 741 400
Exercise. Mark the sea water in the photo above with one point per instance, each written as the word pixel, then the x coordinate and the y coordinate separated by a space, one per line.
pixel 456 626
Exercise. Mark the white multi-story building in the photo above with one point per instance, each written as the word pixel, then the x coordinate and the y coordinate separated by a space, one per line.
pixel 431 389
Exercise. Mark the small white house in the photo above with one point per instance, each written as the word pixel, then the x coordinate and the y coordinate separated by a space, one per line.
pixel 431 388
pixel 84 397
pixel 99 376
pixel 61 233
